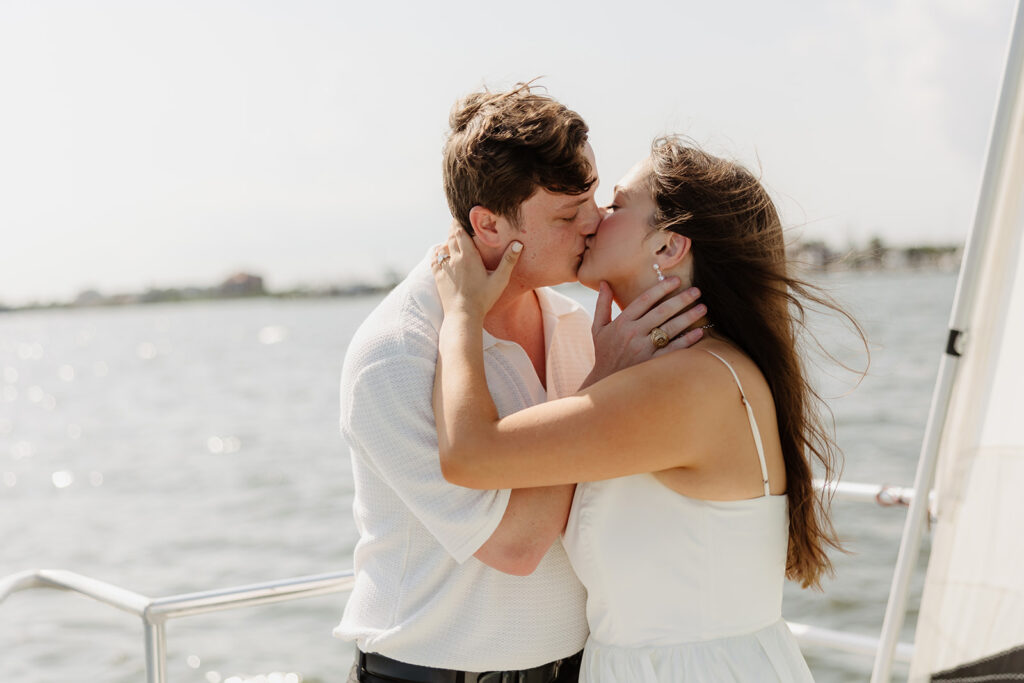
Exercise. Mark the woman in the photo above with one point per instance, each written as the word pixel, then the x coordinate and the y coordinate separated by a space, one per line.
pixel 698 498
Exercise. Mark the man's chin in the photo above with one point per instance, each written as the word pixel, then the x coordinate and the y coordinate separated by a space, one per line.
pixel 568 276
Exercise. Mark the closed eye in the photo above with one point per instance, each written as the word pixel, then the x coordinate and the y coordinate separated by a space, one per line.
pixel 571 218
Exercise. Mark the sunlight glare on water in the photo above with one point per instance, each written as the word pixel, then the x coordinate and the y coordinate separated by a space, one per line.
pixel 62 479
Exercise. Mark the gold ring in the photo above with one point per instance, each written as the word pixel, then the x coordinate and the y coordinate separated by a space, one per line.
pixel 659 338
pixel 442 256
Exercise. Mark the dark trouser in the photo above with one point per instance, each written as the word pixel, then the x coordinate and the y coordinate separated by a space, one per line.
pixel 374 668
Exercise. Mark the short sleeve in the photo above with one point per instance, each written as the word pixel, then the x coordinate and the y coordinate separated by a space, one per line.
pixel 388 421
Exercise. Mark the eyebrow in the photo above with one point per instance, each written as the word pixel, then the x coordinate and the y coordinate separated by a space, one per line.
pixel 571 205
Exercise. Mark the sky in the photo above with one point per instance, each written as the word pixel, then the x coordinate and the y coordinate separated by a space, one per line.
pixel 159 144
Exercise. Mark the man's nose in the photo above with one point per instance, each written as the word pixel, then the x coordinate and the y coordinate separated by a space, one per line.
pixel 589 227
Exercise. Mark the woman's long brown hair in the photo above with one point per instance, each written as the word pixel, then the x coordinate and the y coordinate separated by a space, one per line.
pixel 740 266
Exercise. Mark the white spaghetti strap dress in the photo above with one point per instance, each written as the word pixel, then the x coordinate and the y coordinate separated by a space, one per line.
pixel 680 589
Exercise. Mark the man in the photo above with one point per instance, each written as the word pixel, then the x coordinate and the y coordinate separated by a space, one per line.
pixel 450 582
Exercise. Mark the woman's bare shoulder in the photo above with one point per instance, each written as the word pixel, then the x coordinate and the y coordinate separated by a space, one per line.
pixel 703 360
pixel 717 356
pixel 683 382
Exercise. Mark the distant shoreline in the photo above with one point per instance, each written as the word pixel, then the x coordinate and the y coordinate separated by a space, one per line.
pixel 238 286
pixel 811 257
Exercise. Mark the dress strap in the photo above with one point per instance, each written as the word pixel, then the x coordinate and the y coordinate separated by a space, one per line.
pixel 753 424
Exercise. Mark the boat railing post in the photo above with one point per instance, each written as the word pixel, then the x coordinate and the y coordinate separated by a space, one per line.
pixel 155 612
pixel 156 648
pixel 913 530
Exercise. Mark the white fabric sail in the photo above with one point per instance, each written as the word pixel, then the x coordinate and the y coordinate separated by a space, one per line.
pixel 973 603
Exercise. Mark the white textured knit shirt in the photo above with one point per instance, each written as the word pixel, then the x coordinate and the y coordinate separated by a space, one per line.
pixel 420 596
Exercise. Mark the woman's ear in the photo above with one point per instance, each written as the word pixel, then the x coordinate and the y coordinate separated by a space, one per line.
pixel 485 226
pixel 674 248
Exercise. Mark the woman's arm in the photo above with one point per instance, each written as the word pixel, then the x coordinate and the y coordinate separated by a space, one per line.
pixel 640 419
pixel 627 423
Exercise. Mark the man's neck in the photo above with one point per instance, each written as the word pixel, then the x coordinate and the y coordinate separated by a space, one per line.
pixel 517 317
pixel 513 313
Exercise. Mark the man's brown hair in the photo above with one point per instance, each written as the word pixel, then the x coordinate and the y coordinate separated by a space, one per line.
pixel 505 145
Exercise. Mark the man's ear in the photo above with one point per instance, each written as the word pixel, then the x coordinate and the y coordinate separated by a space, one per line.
pixel 485 226
pixel 674 248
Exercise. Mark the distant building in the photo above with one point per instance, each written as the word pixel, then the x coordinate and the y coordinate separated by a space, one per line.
pixel 946 257
pixel 242 284
pixel 815 255
pixel 89 297
pixel 195 293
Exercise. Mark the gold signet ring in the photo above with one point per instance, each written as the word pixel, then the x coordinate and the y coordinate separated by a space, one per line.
pixel 659 338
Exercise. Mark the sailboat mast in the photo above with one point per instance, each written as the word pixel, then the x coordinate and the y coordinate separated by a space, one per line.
pixel 964 301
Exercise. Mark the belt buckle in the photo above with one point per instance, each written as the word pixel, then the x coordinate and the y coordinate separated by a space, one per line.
pixel 498 677
pixel 484 677
pixel 514 676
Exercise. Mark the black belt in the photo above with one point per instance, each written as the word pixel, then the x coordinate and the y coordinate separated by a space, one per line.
pixel 376 668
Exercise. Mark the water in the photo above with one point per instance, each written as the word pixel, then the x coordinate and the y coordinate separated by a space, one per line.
pixel 184 447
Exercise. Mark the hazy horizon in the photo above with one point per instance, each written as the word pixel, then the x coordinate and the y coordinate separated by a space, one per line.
pixel 172 144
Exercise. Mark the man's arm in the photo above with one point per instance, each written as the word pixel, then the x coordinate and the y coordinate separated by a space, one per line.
pixel 533 519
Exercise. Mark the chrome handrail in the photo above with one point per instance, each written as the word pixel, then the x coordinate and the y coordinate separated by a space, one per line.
pixel 189 604
pixel 885 495
pixel 100 591
pixel 155 612
pixel 854 643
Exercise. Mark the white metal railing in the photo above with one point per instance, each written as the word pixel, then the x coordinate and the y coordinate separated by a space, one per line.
pixel 883 494
pixel 815 636
pixel 155 612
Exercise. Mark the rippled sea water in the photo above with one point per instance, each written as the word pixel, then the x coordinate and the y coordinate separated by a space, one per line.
pixel 185 447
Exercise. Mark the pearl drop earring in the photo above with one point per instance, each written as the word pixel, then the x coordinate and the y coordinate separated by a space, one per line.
pixel 657 269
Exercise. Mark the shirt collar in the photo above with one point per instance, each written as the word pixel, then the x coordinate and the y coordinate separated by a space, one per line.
pixel 553 308
pixel 555 304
